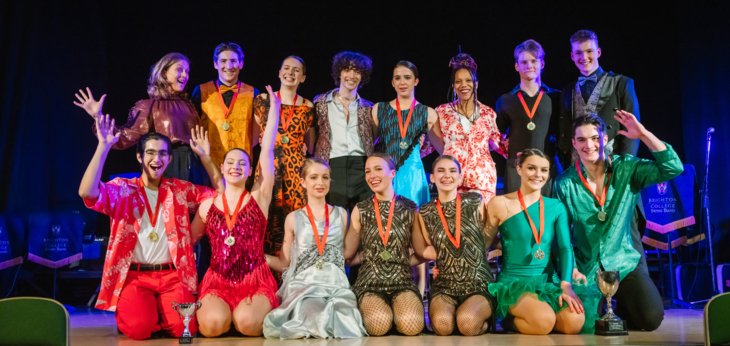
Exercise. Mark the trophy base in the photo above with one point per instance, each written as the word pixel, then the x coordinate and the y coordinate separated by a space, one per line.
pixel 186 340
pixel 611 327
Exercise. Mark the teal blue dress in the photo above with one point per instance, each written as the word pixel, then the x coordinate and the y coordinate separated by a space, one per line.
pixel 523 273
pixel 410 177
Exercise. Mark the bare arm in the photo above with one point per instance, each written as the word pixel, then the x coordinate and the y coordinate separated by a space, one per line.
pixel 198 225
pixel 374 115
pixel 352 238
pixel 263 187
pixel 490 215
pixel 281 262
pixel 429 252
pixel 89 187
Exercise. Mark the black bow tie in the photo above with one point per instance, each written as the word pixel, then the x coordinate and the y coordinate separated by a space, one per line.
pixel 583 79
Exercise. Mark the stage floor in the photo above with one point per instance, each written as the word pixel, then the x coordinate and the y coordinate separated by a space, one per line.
pixel 680 327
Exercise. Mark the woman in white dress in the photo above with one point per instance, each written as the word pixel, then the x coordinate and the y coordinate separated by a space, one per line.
pixel 316 300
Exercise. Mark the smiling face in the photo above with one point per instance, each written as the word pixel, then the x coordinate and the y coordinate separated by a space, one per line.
pixel 446 175
pixel 528 66
pixel 404 81
pixel 229 65
pixel 589 143
pixel 585 56
pixel 316 180
pixel 464 84
pixel 379 175
pixel 236 167
pixel 154 159
pixel 177 75
pixel 350 79
pixel 534 172
pixel 291 73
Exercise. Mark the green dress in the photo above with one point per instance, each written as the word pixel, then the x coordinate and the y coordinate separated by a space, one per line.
pixel 523 273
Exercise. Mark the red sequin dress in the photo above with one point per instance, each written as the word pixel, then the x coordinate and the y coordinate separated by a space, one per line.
pixel 239 271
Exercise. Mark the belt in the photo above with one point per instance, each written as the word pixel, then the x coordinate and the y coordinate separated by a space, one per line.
pixel 143 267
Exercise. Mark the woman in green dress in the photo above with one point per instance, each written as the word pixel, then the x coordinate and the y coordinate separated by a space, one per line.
pixel 531 297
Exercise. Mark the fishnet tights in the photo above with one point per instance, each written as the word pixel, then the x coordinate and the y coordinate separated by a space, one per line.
pixel 471 317
pixel 378 317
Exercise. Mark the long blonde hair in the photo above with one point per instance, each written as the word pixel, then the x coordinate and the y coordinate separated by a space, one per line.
pixel 157 85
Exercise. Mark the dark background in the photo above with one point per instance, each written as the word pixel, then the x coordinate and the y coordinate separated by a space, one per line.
pixel 677 54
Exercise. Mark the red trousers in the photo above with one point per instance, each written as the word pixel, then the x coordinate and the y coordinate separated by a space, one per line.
pixel 145 304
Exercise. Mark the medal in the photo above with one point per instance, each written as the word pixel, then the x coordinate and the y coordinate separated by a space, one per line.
pixel 403 128
pixel 153 236
pixel 319 264
pixel 455 238
pixel 384 234
pixel 320 241
pixel 530 113
pixel 286 119
pixel 601 215
pixel 230 240
pixel 231 220
pixel 539 254
pixel 226 126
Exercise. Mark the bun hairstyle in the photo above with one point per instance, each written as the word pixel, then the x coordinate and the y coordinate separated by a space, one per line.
pixel 458 62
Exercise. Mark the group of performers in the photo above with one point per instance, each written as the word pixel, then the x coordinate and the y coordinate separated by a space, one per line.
pixel 340 182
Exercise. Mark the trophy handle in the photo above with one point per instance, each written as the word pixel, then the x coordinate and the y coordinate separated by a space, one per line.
pixel 175 306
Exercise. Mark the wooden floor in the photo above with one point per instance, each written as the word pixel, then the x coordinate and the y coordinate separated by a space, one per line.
pixel 680 327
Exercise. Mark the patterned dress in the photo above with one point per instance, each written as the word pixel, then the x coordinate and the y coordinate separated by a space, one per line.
pixel 316 300
pixel 471 147
pixel 239 271
pixel 410 177
pixel 389 276
pixel 288 194
pixel 463 271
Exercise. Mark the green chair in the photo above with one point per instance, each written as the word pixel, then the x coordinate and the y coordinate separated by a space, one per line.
pixel 717 320
pixel 33 321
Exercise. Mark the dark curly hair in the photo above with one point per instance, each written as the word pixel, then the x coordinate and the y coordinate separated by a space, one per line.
pixel 347 60
pixel 458 62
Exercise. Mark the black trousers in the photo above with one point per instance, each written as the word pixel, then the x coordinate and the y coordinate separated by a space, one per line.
pixel 348 181
pixel 638 301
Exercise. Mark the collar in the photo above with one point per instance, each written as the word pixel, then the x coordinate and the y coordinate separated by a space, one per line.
pixel 331 96
pixel 543 87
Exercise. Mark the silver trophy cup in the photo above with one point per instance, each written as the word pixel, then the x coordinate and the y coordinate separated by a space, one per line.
pixel 609 323
pixel 186 311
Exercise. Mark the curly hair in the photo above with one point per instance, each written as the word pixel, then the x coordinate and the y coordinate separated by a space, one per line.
pixel 157 85
pixel 347 60
pixel 457 63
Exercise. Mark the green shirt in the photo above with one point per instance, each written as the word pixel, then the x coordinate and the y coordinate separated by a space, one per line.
pixel 610 241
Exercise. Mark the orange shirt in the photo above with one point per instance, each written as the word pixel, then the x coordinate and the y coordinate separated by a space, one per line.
pixel 239 120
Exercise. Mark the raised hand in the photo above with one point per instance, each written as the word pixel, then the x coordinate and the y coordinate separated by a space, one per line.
pixel 274 100
pixel 105 131
pixel 634 129
pixel 199 141
pixel 87 102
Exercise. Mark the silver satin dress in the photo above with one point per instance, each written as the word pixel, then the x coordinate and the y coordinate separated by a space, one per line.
pixel 316 299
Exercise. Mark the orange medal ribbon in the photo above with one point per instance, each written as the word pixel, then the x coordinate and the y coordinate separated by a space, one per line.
pixel 456 237
pixel 231 219
pixel 384 235
pixel 321 241
pixel 223 102
pixel 538 238
pixel 153 217
pixel 285 120
pixel 404 127
pixel 530 113
pixel 601 200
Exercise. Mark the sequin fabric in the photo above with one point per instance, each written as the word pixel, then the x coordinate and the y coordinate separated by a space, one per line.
pixel 234 262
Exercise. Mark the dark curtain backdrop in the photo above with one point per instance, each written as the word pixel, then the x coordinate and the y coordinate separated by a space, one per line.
pixel 676 53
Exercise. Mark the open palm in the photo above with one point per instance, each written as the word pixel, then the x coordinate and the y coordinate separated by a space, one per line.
pixel 105 130
pixel 86 101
